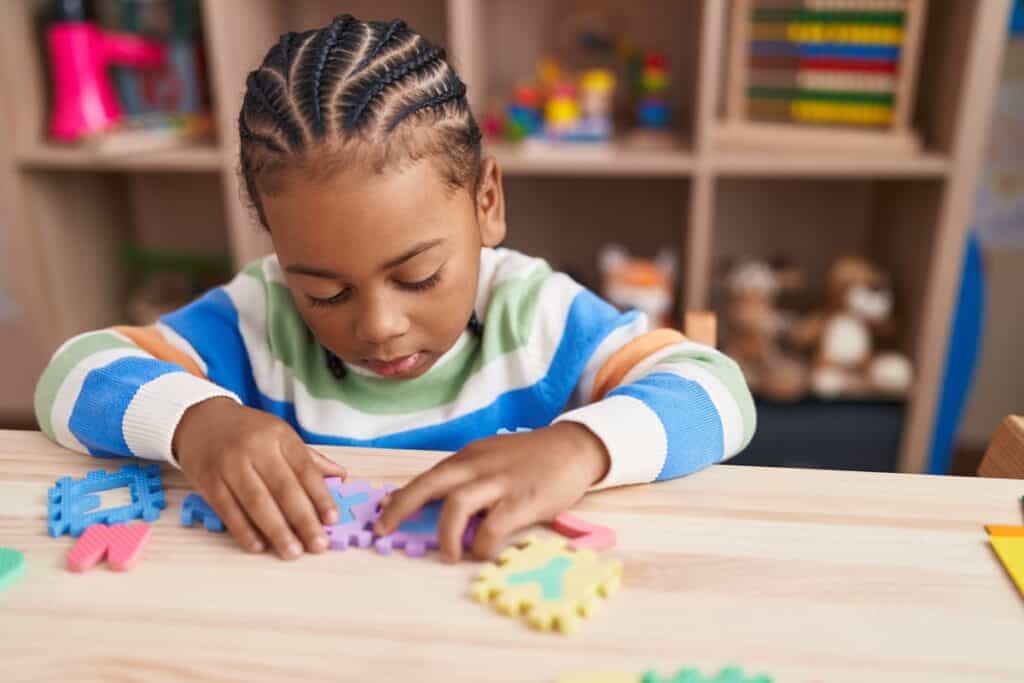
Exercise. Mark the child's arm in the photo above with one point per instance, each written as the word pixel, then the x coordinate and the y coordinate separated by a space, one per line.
pixel 172 392
pixel 657 406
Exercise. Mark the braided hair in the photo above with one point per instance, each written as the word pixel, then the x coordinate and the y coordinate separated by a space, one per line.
pixel 354 91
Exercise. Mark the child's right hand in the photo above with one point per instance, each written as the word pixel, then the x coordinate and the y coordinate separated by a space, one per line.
pixel 258 475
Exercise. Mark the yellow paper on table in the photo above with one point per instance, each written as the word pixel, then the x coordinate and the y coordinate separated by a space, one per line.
pixel 1010 550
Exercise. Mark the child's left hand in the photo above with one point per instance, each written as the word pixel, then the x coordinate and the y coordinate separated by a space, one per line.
pixel 518 479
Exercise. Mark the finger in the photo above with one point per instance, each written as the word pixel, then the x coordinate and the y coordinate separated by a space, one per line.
pixel 328 467
pixel 312 479
pixel 251 491
pixel 507 517
pixel 294 502
pixel 433 484
pixel 459 506
pixel 230 512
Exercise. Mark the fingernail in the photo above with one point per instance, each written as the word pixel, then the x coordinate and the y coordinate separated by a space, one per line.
pixel 294 550
pixel 256 547
pixel 320 543
pixel 332 516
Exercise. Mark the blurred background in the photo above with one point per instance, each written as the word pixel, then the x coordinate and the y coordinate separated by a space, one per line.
pixel 840 181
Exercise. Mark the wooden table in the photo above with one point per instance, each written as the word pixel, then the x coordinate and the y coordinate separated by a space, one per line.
pixel 806 575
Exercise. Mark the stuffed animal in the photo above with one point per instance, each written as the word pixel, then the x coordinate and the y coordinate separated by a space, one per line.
pixel 852 338
pixel 757 329
pixel 644 284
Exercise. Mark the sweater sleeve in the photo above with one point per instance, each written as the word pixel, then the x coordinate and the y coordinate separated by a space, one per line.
pixel 663 405
pixel 122 391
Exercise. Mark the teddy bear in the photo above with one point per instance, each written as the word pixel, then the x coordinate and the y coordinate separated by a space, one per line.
pixel 852 338
pixel 757 329
pixel 647 285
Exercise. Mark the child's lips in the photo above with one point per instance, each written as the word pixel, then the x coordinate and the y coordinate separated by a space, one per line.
pixel 395 367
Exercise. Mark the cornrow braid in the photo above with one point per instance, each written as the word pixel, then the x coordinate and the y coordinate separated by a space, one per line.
pixel 354 92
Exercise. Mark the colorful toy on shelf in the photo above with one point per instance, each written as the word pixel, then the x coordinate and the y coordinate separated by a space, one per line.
pixel 121 544
pixel 852 338
pixel 597 90
pixel 80 56
pixel 644 284
pixel 825 76
pixel 524 117
pixel 561 113
pixel 653 108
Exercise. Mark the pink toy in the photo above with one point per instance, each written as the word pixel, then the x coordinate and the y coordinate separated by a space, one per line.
pixel 121 544
pixel 583 534
pixel 358 509
pixel 80 56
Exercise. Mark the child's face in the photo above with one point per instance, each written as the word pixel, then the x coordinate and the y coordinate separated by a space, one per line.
pixel 384 267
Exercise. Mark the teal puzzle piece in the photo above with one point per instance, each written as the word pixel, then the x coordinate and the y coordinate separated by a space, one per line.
pixel 549 577
pixel 346 503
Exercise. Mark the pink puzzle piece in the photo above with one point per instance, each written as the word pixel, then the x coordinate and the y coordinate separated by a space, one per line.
pixel 358 508
pixel 121 544
pixel 584 535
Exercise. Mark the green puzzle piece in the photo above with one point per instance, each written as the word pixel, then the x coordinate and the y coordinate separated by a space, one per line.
pixel 728 675
pixel 12 567
pixel 549 577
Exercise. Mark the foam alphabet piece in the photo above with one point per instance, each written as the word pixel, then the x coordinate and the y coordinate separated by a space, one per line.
pixel 549 583
pixel 72 507
pixel 1003 530
pixel 12 567
pixel 195 509
pixel 121 544
pixel 418 533
pixel 1010 550
pixel 584 535
pixel 727 675
pixel 358 509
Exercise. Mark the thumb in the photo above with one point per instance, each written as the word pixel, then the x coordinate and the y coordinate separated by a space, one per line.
pixel 327 467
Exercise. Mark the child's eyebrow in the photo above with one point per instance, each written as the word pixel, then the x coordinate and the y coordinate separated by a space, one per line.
pixel 416 250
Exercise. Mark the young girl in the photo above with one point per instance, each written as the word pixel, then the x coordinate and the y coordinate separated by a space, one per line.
pixel 388 317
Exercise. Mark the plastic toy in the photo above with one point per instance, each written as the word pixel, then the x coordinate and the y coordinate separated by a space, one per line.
pixel 71 500
pixel 523 115
pixel 1001 530
pixel 728 675
pixel 80 56
pixel 121 544
pixel 12 567
pixel 653 108
pixel 584 535
pixel 643 284
pixel 418 533
pixel 1010 550
pixel 195 509
pixel 552 585
pixel 562 112
pixel 358 509
pixel 597 87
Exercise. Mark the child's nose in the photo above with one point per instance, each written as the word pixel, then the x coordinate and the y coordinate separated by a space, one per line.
pixel 379 323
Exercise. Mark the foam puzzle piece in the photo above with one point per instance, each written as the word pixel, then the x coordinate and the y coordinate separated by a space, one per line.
pixel 417 534
pixel 584 535
pixel 121 544
pixel 549 583
pixel 729 674
pixel 1004 530
pixel 72 507
pixel 1010 550
pixel 195 509
pixel 358 509
pixel 12 567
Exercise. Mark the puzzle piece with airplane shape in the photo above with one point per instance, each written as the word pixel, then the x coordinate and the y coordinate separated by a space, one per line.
pixel 549 583
pixel 72 505
pixel 195 509
pixel 358 509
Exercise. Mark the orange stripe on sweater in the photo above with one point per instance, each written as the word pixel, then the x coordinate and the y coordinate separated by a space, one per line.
pixel 625 359
pixel 150 340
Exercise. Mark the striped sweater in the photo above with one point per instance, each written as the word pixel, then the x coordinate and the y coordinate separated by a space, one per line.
pixel 550 351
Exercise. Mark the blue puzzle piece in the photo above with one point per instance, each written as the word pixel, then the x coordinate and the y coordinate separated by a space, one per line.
pixel 346 503
pixel 72 507
pixel 195 509
pixel 425 521
pixel 549 577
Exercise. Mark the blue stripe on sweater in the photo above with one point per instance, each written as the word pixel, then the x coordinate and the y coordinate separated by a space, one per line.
pixel 692 425
pixel 98 413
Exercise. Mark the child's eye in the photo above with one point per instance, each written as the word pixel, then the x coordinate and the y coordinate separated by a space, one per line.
pixel 338 298
pixel 422 284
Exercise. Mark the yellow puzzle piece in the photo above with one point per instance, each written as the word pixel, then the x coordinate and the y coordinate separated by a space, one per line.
pixel 550 584
pixel 1010 550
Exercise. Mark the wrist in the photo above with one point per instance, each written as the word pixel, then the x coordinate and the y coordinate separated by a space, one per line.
pixel 191 425
pixel 590 453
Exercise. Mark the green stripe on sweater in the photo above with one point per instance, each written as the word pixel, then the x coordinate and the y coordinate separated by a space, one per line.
pixel 61 366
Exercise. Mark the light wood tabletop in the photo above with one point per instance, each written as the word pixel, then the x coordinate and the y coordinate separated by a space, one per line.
pixel 804 575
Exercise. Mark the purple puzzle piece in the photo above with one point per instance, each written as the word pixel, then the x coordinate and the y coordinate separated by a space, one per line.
pixel 418 533
pixel 358 508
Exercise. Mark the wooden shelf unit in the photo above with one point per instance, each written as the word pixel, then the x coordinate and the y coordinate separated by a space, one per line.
pixel 909 211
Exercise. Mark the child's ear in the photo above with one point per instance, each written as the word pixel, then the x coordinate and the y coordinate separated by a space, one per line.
pixel 490 204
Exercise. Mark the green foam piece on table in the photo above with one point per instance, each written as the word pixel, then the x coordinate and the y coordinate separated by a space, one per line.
pixel 729 674
pixel 12 567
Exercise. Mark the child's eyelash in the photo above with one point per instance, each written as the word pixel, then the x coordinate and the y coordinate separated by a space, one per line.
pixel 422 284
pixel 338 298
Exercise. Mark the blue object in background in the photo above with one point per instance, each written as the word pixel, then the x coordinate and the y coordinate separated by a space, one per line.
pixel 1017 19
pixel 961 357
